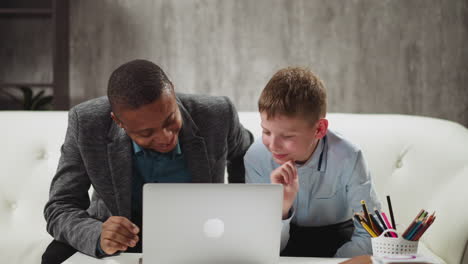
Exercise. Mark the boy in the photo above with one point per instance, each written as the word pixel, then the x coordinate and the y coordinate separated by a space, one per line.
pixel 324 176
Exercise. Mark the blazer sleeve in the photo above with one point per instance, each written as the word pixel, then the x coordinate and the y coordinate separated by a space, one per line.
pixel 239 141
pixel 65 212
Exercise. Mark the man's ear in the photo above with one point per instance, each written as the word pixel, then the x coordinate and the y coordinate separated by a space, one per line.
pixel 322 128
pixel 116 120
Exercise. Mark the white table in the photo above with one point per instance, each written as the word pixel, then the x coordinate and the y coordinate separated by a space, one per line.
pixel 133 258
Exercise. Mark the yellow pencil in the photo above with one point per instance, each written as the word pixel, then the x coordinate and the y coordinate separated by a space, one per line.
pixel 366 215
pixel 368 229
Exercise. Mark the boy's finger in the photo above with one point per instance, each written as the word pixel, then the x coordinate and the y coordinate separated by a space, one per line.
pixel 295 174
pixel 284 174
pixel 290 167
pixel 278 178
pixel 293 170
pixel 286 179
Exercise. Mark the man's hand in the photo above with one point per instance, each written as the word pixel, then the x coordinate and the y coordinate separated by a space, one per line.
pixel 118 233
pixel 286 175
pixel 359 260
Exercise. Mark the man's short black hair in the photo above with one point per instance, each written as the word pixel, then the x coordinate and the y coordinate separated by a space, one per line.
pixel 136 83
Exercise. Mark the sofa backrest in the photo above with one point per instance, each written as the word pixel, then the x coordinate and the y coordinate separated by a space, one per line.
pixel 30 147
pixel 421 162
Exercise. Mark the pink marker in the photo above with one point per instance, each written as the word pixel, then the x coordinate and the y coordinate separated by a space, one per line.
pixel 388 224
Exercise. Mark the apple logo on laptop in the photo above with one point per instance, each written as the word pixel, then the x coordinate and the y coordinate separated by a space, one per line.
pixel 213 228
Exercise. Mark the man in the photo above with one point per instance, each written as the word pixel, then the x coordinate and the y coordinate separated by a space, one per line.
pixel 141 132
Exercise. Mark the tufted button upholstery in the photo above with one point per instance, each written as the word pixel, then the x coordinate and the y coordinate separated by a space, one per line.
pixel 399 164
pixel 13 205
pixel 401 156
pixel 42 155
pixel 29 153
pixel 418 169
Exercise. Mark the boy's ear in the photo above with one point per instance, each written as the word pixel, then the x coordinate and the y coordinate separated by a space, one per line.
pixel 322 128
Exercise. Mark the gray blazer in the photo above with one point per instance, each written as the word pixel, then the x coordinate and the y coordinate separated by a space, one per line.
pixel 97 152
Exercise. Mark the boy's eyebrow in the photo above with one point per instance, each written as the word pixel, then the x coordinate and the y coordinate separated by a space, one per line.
pixel 288 132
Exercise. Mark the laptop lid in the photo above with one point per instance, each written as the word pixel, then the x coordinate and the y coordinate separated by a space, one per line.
pixel 211 223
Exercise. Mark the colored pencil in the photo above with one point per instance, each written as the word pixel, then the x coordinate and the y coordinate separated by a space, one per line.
pixel 426 225
pixel 379 216
pixel 425 229
pixel 384 216
pixel 378 227
pixel 368 229
pixel 357 218
pixel 413 223
pixel 390 210
pixel 413 231
pixel 382 223
pixel 366 214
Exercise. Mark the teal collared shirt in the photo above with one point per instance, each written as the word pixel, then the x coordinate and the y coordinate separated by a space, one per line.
pixel 154 167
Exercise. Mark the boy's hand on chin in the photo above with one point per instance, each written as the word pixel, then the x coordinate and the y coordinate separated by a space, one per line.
pixel 286 175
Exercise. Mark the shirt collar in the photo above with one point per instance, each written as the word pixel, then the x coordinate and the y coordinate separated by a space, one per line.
pixel 138 150
pixel 177 150
pixel 318 158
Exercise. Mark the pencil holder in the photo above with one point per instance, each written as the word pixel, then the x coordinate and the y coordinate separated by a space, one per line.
pixel 385 246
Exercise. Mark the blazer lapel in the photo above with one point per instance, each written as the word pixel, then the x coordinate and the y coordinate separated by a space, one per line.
pixel 120 165
pixel 120 160
pixel 194 148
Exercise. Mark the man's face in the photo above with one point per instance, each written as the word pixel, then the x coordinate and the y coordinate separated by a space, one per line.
pixel 154 126
pixel 289 138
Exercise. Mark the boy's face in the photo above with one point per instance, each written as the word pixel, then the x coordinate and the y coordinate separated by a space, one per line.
pixel 291 138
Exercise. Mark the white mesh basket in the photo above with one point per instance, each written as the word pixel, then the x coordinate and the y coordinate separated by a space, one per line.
pixel 385 246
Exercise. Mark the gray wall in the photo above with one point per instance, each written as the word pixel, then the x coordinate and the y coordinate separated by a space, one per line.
pixel 385 56
pixel 25 55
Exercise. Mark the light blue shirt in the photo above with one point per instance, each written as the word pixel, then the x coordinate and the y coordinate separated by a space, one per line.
pixel 332 184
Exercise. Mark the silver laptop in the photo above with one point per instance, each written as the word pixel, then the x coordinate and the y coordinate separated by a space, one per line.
pixel 211 223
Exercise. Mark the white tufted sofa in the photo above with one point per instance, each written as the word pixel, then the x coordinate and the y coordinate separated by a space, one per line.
pixel 421 162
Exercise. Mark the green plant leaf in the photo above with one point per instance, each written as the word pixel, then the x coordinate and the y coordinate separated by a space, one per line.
pixel 37 97
pixel 43 103
pixel 27 97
